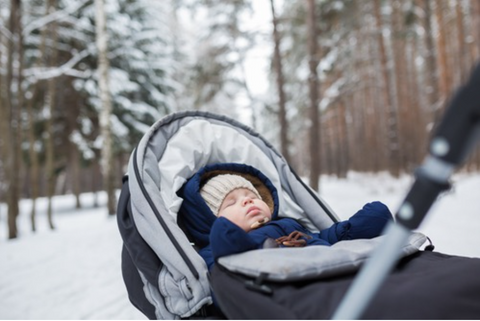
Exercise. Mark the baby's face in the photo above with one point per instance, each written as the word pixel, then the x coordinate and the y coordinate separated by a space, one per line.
pixel 243 208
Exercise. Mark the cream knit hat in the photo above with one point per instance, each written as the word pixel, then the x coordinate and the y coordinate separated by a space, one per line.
pixel 218 187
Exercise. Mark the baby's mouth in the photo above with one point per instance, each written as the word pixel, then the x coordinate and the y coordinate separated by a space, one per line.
pixel 253 210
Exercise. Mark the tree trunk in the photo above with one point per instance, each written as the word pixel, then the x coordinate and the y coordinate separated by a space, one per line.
pixel 444 78
pixel 50 102
pixel 3 125
pixel 13 84
pixel 282 114
pixel 417 119
pixel 314 89
pixel 4 133
pixel 34 167
pixel 431 70
pixel 97 171
pixel 392 120
pixel 471 34
pixel 343 140
pixel 476 24
pixel 105 125
pixel 75 166
pixel 399 53
pixel 33 155
pixel 463 61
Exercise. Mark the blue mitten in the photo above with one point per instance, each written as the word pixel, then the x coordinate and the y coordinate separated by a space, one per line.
pixel 368 222
pixel 226 238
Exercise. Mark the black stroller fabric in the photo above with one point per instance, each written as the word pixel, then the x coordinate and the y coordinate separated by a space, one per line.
pixel 424 285
pixel 167 279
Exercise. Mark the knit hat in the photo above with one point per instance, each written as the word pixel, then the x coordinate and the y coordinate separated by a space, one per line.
pixel 217 188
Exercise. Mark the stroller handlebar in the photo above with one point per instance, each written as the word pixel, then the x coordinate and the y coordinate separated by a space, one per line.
pixel 452 142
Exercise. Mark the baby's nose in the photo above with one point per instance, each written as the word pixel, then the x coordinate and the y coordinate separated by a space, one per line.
pixel 247 200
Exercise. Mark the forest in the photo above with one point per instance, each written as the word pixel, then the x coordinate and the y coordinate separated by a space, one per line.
pixel 346 85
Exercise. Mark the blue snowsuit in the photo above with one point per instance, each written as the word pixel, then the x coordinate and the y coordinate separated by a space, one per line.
pixel 219 237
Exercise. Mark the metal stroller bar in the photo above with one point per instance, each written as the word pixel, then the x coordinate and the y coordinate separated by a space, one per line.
pixel 454 139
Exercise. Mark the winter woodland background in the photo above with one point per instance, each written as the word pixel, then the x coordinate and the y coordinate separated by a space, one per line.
pixel 335 85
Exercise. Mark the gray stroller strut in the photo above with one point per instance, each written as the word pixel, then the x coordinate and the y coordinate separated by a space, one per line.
pixel 454 139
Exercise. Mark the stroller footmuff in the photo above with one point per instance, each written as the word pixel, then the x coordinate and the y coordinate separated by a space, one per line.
pixel 424 285
pixel 166 278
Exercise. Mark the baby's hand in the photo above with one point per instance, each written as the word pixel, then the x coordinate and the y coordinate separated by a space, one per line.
pixel 370 221
pixel 294 239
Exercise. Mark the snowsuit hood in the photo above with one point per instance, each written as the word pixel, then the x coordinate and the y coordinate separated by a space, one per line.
pixel 195 214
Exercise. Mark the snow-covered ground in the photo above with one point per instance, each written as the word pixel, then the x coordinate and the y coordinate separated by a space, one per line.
pixel 74 271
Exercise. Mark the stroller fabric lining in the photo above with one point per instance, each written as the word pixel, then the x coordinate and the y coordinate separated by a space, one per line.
pixel 215 144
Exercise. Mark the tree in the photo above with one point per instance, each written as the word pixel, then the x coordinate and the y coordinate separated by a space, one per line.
pixel 431 76
pixel 444 71
pixel 214 46
pixel 31 126
pixel 104 90
pixel 277 63
pixel 50 106
pixel 4 122
pixel 387 96
pixel 313 86
pixel 13 105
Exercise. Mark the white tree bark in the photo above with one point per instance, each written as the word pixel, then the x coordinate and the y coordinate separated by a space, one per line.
pixel 106 110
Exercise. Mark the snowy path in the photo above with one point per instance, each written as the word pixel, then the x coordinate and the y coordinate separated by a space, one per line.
pixel 74 272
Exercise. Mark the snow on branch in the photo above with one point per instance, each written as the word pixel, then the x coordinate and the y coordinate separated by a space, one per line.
pixel 55 16
pixel 40 73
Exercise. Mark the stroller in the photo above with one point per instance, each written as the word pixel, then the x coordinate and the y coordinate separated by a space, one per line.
pixel 167 279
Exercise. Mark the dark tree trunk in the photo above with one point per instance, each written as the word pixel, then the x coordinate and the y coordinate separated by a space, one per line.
pixel 314 89
pixel 282 113
pixel 392 118
pixel 14 104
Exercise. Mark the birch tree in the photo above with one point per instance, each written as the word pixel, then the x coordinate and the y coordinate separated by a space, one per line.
pixel 104 91
pixel 50 103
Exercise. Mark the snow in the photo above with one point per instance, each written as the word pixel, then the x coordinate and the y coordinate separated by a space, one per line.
pixel 74 271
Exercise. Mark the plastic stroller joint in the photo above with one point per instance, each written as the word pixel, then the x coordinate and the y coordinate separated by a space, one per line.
pixel 418 201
